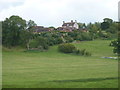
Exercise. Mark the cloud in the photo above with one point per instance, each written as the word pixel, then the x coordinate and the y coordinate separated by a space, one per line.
pixel 53 12
pixel 4 4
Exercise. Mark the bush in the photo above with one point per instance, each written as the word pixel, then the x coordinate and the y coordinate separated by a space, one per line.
pixel 68 39
pixel 59 40
pixel 66 48
pixel 82 52
pixel 85 36
pixel 39 43
pixel 87 53
pixel 77 51
pixel 79 38
pixel 51 41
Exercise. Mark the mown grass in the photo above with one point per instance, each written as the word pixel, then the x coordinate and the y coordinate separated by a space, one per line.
pixel 53 69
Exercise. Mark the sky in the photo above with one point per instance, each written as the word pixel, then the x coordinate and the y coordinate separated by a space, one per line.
pixel 53 12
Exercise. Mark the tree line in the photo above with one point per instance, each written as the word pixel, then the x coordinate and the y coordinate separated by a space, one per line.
pixel 18 32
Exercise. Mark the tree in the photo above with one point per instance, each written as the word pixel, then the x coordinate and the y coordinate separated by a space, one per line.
pixel 11 28
pixel 52 28
pixel 30 24
pixel 106 23
pixel 116 45
pixel 93 29
pixel 113 28
pixel 108 20
pixel 25 37
pixel 82 25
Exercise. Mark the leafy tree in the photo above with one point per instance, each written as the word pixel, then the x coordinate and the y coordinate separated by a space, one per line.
pixel 30 24
pixel 106 24
pixel 82 25
pixel 25 37
pixel 11 28
pixel 108 20
pixel 93 29
pixel 113 28
pixel 116 45
pixel 59 40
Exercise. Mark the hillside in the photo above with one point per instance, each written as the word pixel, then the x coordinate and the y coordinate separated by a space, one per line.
pixel 52 69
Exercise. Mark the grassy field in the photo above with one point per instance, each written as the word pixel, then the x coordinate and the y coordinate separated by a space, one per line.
pixel 53 69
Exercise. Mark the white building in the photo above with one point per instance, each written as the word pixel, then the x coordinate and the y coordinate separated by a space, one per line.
pixel 72 25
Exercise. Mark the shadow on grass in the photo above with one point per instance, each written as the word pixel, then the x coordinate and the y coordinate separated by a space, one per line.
pixel 86 80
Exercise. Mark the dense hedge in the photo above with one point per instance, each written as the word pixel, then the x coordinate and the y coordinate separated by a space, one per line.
pixel 66 48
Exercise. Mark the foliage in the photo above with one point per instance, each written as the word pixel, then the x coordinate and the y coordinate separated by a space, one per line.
pixel 113 28
pixel 105 25
pixel 25 37
pixel 68 39
pixel 30 24
pixel 15 32
pixel 18 32
pixel 39 43
pixel 11 30
pixel 108 20
pixel 66 48
pixel 59 40
pixel 116 45
pixel 82 52
pixel 70 48
pixel 85 36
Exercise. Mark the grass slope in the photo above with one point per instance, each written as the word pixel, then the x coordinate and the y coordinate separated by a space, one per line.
pixel 53 69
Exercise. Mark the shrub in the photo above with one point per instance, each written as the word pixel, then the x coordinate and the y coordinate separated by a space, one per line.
pixel 66 48
pixel 77 51
pixel 79 37
pixel 68 39
pixel 85 36
pixel 87 53
pixel 39 43
pixel 33 44
pixel 59 40
pixel 51 41
pixel 82 52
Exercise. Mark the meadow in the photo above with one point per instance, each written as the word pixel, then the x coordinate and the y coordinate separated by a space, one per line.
pixel 52 69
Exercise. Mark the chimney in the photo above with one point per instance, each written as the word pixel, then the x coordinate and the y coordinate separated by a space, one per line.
pixel 63 22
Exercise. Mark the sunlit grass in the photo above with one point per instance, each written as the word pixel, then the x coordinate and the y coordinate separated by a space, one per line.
pixel 43 69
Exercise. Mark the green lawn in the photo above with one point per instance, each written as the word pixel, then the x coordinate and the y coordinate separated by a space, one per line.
pixel 53 69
